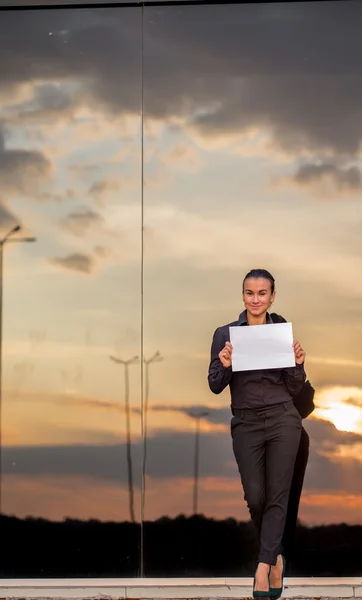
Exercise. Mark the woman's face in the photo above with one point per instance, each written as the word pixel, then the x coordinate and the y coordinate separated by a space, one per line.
pixel 257 296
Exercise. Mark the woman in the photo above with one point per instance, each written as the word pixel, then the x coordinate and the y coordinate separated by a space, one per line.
pixel 265 428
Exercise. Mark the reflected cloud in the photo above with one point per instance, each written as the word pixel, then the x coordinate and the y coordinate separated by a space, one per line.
pixel 351 452
pixel 7 219
pixel 315 507
pixel 336 404
pixel 183 157
pixel 224 104
pixel 55 498
pixel 48 102
pixel 80 221
pixel 344 178
pixel 335 362
pixel 101 190
pixel 78 262
pixel 103 462
pixel 22 171
pixel 218 415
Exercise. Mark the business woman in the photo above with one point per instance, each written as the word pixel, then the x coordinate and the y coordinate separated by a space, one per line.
pixel 265 429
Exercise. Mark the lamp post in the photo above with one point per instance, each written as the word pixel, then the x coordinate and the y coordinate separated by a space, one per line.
pixel 6 239
pixel 197 418
pixel 126 364
pixel 155 358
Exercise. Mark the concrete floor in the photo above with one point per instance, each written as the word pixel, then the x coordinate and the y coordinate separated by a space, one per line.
pixel 170 589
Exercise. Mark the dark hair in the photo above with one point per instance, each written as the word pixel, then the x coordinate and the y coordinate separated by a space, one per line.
pixel 260 274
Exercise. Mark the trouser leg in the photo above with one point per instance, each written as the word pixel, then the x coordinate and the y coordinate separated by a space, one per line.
pixel 248 433
pixel 283 430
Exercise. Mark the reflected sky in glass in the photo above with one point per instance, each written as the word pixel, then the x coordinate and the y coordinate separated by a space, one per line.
pixel 251 142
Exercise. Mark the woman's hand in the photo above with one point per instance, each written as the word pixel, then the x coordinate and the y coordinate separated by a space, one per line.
pixel 225 355
pixel 298 353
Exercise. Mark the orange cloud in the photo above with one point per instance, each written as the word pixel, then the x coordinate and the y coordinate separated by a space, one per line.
pixel 317 508
pixel 82 497
pixel 56 498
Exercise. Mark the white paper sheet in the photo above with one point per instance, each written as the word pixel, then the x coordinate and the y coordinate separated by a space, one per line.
pixel 262 347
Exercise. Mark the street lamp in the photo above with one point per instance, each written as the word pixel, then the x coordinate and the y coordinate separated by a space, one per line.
pixel 126 364
pixel 155 358
pixel 197 418
pixel 6 239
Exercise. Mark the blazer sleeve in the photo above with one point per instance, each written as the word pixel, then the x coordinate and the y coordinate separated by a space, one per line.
pixel 219 376
pixel 294 378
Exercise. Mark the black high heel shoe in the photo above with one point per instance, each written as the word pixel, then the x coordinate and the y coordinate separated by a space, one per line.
pixel 259 593
pixel 276 593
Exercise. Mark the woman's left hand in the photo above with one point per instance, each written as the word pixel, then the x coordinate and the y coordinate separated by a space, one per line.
pixel 298 353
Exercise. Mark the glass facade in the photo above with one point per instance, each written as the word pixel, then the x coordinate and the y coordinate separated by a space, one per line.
pixel 156 154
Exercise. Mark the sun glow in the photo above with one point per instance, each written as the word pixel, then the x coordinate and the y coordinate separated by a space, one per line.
pixel 341 406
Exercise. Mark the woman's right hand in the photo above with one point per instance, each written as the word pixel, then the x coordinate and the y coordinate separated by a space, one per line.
pixel 225 355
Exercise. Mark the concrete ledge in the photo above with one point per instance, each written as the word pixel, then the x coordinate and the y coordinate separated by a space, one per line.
pixel 167 589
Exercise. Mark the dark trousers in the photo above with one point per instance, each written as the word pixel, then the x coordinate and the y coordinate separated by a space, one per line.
pixel 265 444
pixel 295 494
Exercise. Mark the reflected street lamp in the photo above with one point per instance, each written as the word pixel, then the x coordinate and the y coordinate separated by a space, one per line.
pixel 197 418
pixel 126 364
pixel 155 358
pixel 6 239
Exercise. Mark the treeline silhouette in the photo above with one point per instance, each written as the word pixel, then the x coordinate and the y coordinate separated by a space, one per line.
pixel 193 546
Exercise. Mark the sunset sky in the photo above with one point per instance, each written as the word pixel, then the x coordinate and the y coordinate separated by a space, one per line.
pixel 250 128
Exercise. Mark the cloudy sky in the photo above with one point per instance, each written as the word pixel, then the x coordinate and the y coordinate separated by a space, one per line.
pixel 228 139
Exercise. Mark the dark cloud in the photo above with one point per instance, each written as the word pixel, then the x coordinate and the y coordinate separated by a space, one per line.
pixel 171 454
pixel 81 263
pixel 21 170
pixel 72 46
pixel 82 171
pixel 100 189
pixel 52 98
pixel 325 433
pixel 276 66
pixel 344 178
pixel 98 461
pixel 49 102
pixel 7 219
pixel 281 66
pixel 78 222
pixel 215 415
